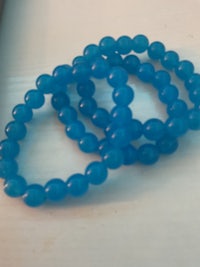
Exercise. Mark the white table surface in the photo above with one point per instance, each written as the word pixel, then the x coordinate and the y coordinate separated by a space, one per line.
pixel 142 216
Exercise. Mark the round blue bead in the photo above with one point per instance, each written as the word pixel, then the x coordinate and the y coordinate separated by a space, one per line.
pixel 15 186
pixel 115 60
pixel 46 84
pixel 168 94
pixel 170 60
pixel 22 113
pixel 99 68
pixel 101 118
pixel 88 143
pixel 113 158
pixel 154 129
pixel 148 154
pixel 87 106
pixel 110 128
pixel 135 128
pixel 161 79
pixel 81 72
pixel 60 100
pixel 104 145
pixel 67 115
pixel 77 185
pixel 140 43
pixel 107 45
pixel 194 95
pixel 117 77
pixel 124 45
pixel 156 50
pixel 120 137
pixel 193 82
pixel 121 115
pixel 79 60
pixel 167 145
pixel 146 72
pixel 34 99
pixel 131 64
pixel 9 149
pixel 75 130
pixel 15 130
pixel 177 109
pixel 55 189
pixel 91 51
pixel 177 126
pixel 8 167
pixel 86 89
pixel 96 173
pixel 184 70
pixel 123 95
pixel 34 195
pixel 194 119
pixel 130 155
pixel 63 74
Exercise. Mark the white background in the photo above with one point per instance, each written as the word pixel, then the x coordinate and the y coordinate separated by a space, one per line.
pixel 142 216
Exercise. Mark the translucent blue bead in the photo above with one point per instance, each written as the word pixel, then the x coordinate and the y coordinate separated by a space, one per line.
pixel 34 195
pixel 60 100
pixel 75 130
pixel 81 72
pixel 63 74
pixel 34 99
pixel 113 158
pixel 194 119
pixel 115 60
pixel 124 45
pixel 156 50
pixel 167 145
pixel 22 113
pixel 91 51
pixel 170 60
pixel 130 155
pixel 9 149
pixel 67 115
pixel 99 68
pixel 146 72
pixel 96 173
pixel 140 43
pixel 87 106
pixel 15 130
pixel 110 128
pixel 117 77
pixel 161 79
pixel 55 189
pixel 101 118
pixel 123 95
pixel 177 126
pixel 184 69
pixel 86 89
pixel 107 45
pixel 136 129
pixel 131 64
pixel 15 186
pixel 77 185
pixel 168 94
pixel 153 129
pixel 194 95
pixel 8 167
pixel 104 146
pixel 148 154
pixel 88 143
pixel 121 115
pixel 120 137
pixel 79 60
pixel 177 109
pixel 193 82
pixel 46 84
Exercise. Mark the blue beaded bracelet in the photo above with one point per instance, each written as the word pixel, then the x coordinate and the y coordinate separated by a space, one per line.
pixel 112 60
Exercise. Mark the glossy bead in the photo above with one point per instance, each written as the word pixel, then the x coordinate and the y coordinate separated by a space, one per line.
pixel 55 189
pixel 110 128
pixel 177 109
pixel 161 79
pixel 107 45
pixel 9 149
pixel 88 143
pixel 67 115
pixel 194 119
pixel 148 154
pixel 194 95
pixel 60 100
pixel 99 68
pixel 123 95
pixel 91 51
pixel 117 77
pixel 130 154
pixel 101 118
pixel 34 99
pixel 156 50
pixel 120 137
pixel 63 74
pixel 22 113
pixel 184 70
pixel 75 130
pixel 115 60
pixel 170 60
pixel 87 106
pixel 86 89
pixel 140 43
pixel 15 186
pixel 131 64
pixel 167 145
pixel 46 84
pixel 113 158
pixel 168 94
pixel 124 45
pixel 154 129
pixel 77 185
pixel 121 115
pixel 177 126
pixel 146 72
pixel 193 82
pixel 81 72
pixel 34 195
pixel 136 129
pixel 79 60
pixel 15 130
pixel 8 167
pixel 104 145
pixel 96 173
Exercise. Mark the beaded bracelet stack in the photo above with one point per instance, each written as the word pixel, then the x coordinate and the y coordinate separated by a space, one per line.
pixel 112 60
